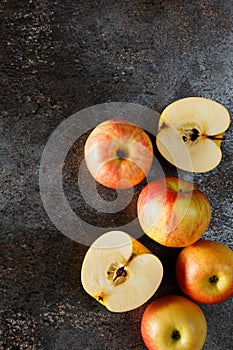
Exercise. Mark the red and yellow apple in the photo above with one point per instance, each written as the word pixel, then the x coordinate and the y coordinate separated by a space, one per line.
pixel 173 212
pixel 173 322
pixel 120 272
pixel 190 132
pixel 118 154
pixel 204 272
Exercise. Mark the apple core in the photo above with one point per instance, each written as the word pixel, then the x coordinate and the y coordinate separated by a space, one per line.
pixel 117 274
pixel 190 133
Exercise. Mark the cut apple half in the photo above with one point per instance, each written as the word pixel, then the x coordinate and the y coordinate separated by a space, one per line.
pixel 120 272
pixel 190 132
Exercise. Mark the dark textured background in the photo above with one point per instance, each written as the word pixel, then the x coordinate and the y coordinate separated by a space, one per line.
pixel 56 58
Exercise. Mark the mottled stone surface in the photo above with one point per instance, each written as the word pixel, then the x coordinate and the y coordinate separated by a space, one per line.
pixel 56 58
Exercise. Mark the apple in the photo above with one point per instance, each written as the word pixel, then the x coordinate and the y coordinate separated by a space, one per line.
pixel 190 132
pixel 118 154
pixel 119 272
pixel 204 272
pixel 173 322
pixel 173 212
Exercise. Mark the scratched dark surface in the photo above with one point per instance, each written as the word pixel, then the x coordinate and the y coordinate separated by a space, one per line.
pixel 57 58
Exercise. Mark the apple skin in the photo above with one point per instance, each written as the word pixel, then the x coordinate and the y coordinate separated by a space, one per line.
pixel 118 154
pixel 173 322
pixel 173 212
pixel 204 272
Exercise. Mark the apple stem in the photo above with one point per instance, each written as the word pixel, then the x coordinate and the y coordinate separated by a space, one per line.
pixel 216 138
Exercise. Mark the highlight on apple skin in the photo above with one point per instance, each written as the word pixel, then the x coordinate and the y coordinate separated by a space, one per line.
pixel 173 322
pixel 118 154
pixel 190 132
pixel 204 272
pixel 119 272
pixel 173 212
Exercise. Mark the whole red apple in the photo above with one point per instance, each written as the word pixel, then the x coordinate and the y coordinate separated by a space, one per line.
pixel 204 272
pixel 173 322
pixel 173 212
pixel 118 154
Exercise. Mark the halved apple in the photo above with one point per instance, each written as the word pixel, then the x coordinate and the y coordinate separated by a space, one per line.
pixel 119 272
pixel 190 132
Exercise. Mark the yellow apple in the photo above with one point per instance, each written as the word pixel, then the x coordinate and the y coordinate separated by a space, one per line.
pixel 173 322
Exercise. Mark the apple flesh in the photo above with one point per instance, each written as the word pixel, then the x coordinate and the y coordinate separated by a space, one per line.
pixel 118 154
pixel 204 272
pixel 119 272
pixel 173 212
pixel 190 132
pixel 173 322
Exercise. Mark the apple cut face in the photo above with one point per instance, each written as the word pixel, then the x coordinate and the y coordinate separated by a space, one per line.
pixel 119 272
pixel 190 132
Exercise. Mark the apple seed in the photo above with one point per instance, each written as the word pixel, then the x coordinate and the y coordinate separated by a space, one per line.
pixel 190 133
pixel 117 273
